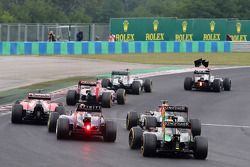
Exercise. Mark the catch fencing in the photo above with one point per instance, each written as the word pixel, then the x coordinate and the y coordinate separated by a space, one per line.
pixel 63 32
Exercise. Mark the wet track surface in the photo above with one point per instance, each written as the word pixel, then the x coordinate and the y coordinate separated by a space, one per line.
pixel 229 146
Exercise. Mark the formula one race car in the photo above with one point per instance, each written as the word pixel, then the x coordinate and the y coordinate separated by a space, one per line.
pixel 154 118
pixel 86 121
pixel 36 107
pixel 172 137
pixel 123 79
pixel 94 94
pixel 203 80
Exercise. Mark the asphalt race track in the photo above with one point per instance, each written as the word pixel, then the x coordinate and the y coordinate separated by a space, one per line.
pixel 225 115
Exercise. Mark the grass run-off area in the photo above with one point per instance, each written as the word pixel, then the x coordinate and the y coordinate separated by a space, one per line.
pixel 241 59
pixel 19 93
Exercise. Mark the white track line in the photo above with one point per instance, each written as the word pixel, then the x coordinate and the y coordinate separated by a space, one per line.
pixel 224 125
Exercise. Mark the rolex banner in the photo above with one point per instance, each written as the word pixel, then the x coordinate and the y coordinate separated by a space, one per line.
pixel 172 29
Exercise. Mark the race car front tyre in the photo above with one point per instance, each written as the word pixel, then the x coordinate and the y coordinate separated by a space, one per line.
pixel 53 116
pixel 217 85
pixel 121 96
pixel 60 110
pixel 105 83
pixel 195 127
pixel 227 84
pixel 71 97
pixel 131 120
pixel 150 122
pixel 147 86
pixel 200 147
pixel 17 113
pixel 149 145
pixel 106 100
pixel 135 138
pixel 188 83
pixel 110 131
pixel 136 87
pixel 62 128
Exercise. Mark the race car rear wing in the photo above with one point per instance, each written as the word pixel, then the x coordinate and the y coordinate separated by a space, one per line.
pixel 87 83
pixel 87 108
pixel 199 62
pixel 39 96
pixel 182 125
pixel 120 73
pixel 175 108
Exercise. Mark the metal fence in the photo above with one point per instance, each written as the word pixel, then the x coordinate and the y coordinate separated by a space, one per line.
pixel 63 32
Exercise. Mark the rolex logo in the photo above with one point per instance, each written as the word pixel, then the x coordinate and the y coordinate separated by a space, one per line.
pixel 125 25
pixel 238 27
pixel 212 26
pixel 155 25
pixel 184 26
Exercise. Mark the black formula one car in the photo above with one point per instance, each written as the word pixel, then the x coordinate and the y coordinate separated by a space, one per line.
pixel 86 121
pixel 203 79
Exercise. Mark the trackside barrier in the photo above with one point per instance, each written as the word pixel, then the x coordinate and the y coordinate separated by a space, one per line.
pixel 80 48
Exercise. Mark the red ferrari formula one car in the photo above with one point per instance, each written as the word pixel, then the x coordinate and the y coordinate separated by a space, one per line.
pixel 36 107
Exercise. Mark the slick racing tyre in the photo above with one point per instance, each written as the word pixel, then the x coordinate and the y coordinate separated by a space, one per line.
pixel 200 147
pixel 110 131
pixel 53 116
pixel 106 100
pixel 17 113
pixel 227 84
pixel 62 128
pixel 121 96
pixel 150 122
pixel 147 86
pixel 131 120
pixel 71 97
pixel 149 145
pixel 136 87
pixel 188 83
pixel 195 127
pixel 135 138
pixel 217 85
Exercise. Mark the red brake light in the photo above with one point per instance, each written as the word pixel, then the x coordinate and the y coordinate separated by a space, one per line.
pixel 200 83
pixel 88 127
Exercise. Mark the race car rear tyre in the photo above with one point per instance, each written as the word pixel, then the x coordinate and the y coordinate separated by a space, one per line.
pixel 60 110
pixel 195 127
pixel 217 85
pixel 105 83
pixel 17 113
pixel 71 97
pixel 53 116
pixel 227 84
pixel 121 96
pixel 110 131
pixel 62 128
pixel 135 138
pixel 150 122
pixel 106 100
pixel 131 120
pixel 136 87
pixel 200 147
pixel 147 86
pixel 188 83
pixel 149 145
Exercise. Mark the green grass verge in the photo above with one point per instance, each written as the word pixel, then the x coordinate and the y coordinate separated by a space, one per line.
pixel 241 59
pixel 19 93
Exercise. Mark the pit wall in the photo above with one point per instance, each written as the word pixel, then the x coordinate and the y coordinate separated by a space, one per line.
pixel 80 48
